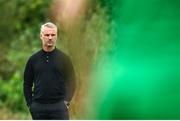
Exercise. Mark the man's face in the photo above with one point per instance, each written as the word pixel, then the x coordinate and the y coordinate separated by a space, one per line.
pixel 49 37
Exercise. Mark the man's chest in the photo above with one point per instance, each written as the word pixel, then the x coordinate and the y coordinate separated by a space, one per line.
pixel 48 64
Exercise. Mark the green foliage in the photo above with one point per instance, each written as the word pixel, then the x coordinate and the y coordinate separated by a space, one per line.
pixel 18 15
pixel 11 92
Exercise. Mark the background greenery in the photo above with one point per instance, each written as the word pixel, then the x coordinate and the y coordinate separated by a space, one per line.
pixel 139 77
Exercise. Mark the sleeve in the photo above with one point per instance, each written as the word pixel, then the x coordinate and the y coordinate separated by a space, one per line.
pixel 28 82
pixel 70 79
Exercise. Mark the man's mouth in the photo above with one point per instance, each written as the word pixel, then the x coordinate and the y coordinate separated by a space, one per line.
pixel 50 42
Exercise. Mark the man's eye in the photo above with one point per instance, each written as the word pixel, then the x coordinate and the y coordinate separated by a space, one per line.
pixel 46 35
pixel 52 34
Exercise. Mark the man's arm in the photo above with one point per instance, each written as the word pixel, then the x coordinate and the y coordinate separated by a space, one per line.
pixel 70 80
pixel 28 83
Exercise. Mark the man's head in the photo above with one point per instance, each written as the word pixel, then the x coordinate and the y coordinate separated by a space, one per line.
pixel 48 35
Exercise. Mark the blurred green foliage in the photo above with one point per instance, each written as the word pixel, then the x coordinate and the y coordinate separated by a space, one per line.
pixel 139 79
pixel 11 92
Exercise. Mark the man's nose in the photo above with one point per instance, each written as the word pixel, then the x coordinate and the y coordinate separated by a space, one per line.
pixel 50 37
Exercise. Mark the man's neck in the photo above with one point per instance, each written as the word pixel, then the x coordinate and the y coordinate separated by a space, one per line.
pixel 48 49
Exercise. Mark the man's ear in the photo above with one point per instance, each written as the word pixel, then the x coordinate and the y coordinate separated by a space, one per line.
pixel 40 35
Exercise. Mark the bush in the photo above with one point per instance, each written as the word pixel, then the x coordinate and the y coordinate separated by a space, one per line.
pixel 12 93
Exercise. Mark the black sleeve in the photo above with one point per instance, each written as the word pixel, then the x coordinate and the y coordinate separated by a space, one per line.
pixel 70 79
pixel 28 82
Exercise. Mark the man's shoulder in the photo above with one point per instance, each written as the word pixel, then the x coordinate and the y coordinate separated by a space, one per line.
pixel 61 53
pixel 35 55
pixel 65 57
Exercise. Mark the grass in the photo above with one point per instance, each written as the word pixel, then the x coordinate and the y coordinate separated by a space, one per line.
pixel 7 114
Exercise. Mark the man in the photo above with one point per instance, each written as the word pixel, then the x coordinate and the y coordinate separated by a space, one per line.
pixel 49 79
